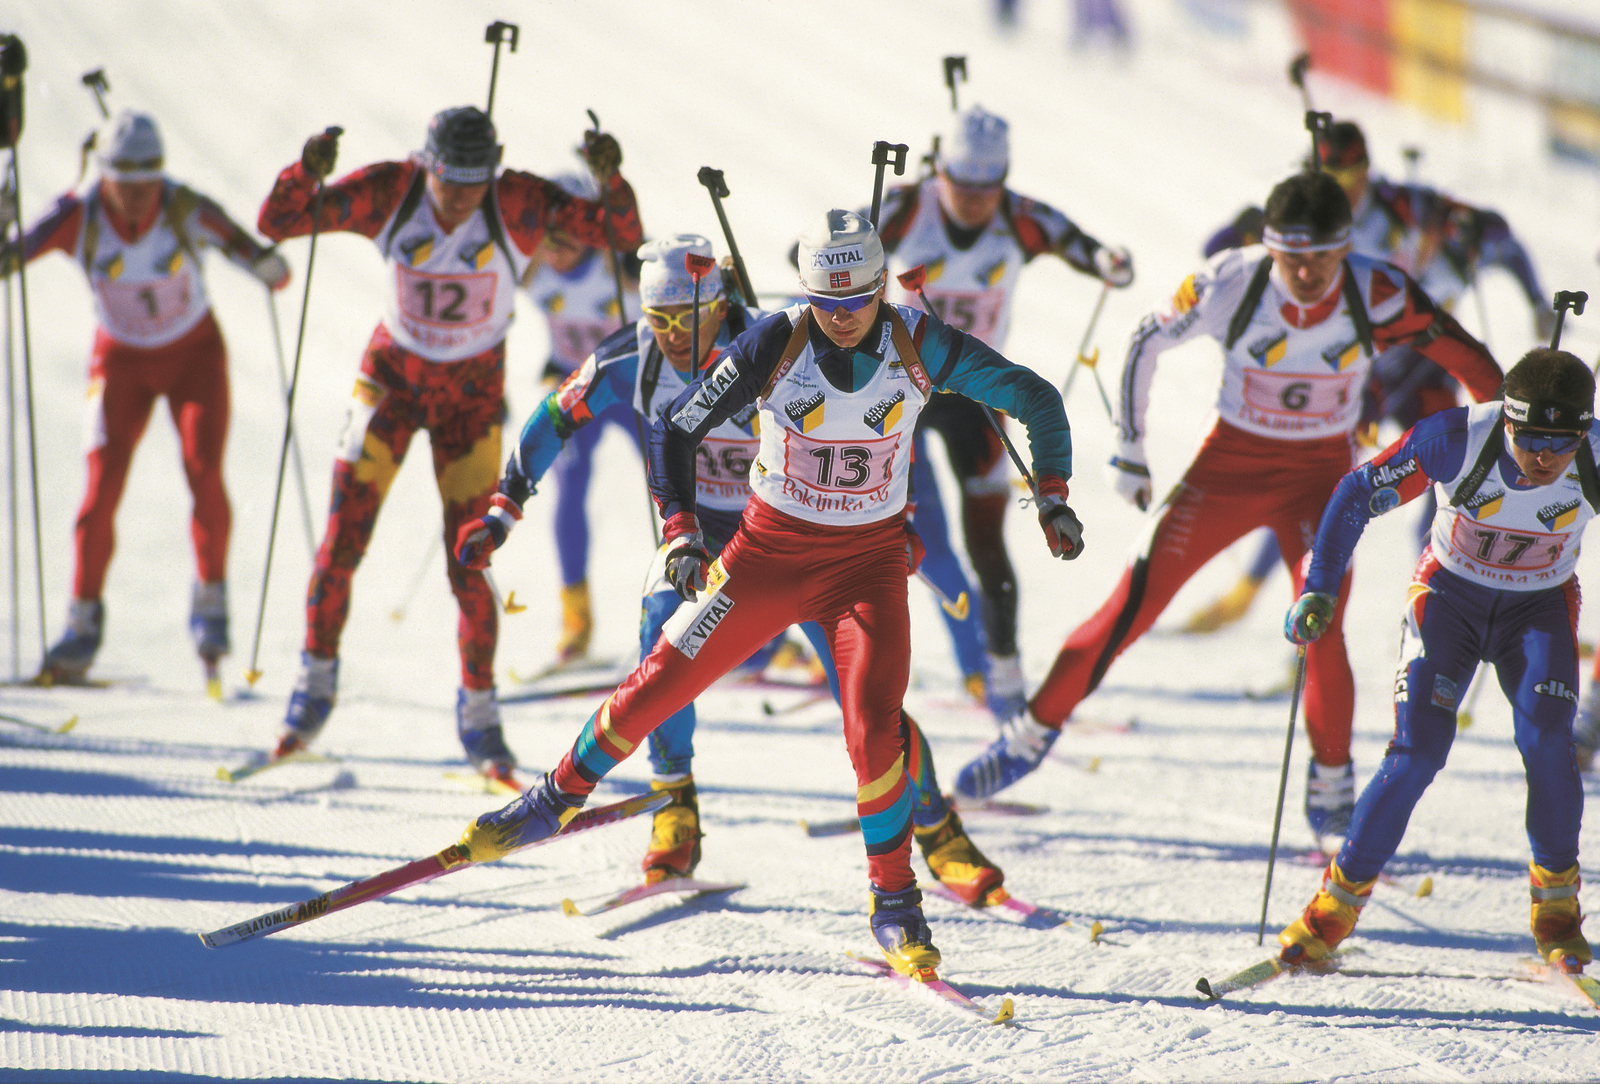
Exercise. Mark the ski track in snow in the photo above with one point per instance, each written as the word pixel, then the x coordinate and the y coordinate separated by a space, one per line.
pixel 118 843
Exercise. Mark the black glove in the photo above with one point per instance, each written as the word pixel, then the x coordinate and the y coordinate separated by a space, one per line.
pixel 688 561
pixel 603 154
pixel 320 153
pixel 1062 531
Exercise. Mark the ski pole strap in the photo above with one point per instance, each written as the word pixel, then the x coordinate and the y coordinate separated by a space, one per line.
pixel 1248 304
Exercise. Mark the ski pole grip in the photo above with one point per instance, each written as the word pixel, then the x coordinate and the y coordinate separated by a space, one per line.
pixel 1297 69
pixel 13 62
pixel 698 266
pixel 915 279
pixel 713 180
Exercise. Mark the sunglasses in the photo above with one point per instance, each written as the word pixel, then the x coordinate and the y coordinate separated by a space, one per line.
pixel 848 302
pixel 136 165
pixel 679 321
pixel 1554 443
pixel 1346 175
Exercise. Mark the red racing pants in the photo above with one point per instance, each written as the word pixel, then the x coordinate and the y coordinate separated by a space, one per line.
pixel 778 571
pixel 1238 482
pixel 462 405
pixel 124 384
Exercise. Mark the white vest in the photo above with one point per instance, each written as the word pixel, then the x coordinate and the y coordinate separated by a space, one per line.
pixel 580 308
pixel 972 290
pixel 829 456
pixel 454 293
pixel 149 293
pixel 1515 538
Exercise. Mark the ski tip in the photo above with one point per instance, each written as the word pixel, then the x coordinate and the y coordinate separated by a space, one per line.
pixel 68 725
pixel 570 909
pixel 225 774
pixel 214 689
pixel 1204 986
pixel 1425 889
pixel 205 939
pixel 1007 1012
pixel 397 616
pixel 1463 720
pixel 1093 765
pixel 251 677
pixel 1095 931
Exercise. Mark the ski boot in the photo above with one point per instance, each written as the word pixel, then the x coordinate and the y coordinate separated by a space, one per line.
pixel 792 664
pixel 956 861
pixel 1330 802
pixel 675 833
pixel 208 624
pixel 68 661
pixel 478 727
pixel 1226 610
pixel 902 933
pixel 577 624
pixel 310 703
pixel 1019 749
pixel 1005 692
pixel 1586 728
pixel 977 688
pixel 538 814
pixel 1557 919
pixel 1327 919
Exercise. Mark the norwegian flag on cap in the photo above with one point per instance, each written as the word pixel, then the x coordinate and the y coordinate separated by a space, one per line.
pixel 838 280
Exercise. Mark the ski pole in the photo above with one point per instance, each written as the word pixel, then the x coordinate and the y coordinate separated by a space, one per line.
pixel 495 34
pixel 96 82
pixel 1283 784
pixel 952 66
pixel 914 280
pixel 1091 359
pixel 13 62
pixel 1565 299
pixel 453 858
pixel 507 603
pixel 718 187
pixel 957 609
pixel 884 154
pixel 31 725
pixel 1464 716
pixel 11 480
pixel 252 675
pixel 294 447
pixel 398 614
pixel 698 267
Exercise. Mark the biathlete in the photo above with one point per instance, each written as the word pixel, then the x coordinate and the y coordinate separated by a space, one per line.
pixel 837 384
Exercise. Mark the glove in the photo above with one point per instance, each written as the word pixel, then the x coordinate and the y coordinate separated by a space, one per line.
pixel 688 562
pixel 1062 531
pixel 1309 617
pixel 271 269
pixel 320 152
pixel 602 152
pixel 480 537
pixel 1114 265
pixel 1131 479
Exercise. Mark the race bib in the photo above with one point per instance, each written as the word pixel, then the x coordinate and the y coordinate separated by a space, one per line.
pixel 445 301
pixel 722 471
pixel 147 309
pixel 1518 550
pixel 850 476
pixel 1300 395
pixel 973 311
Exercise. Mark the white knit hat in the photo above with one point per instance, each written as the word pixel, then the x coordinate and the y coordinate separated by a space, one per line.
pixel 663 277
pixel 977 150
pixel 841 253
pixel 129 148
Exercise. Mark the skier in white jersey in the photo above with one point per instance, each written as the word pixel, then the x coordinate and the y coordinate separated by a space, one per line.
pixel 1299 321
pixel 837 384
pixel 974 235
pixel 457 234
pixel 574 288
pixel 1516 486
pixel 138 235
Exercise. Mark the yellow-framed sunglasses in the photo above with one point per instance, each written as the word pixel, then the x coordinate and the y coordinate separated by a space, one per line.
pixel 669 322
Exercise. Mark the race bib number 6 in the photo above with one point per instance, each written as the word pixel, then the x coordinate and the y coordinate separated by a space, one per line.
pixel 1305 395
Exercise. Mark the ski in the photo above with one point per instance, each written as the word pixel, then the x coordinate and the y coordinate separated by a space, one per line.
pixel 999 900
pixel 255 767
pixel 993 806
pixel 452 858
pixel 41 727
pixel 1571 970
pixel 575 680
pixel 805 701
pixel 939 988
pixel 684 886
pixel 1255 975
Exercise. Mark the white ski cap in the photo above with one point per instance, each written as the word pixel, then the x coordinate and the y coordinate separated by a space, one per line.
pixel 977 150
pixel 129 148
pixel 576 184
pixel 841 253
pixel 665 280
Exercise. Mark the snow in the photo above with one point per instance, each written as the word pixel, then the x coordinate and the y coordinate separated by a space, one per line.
pixel 120 844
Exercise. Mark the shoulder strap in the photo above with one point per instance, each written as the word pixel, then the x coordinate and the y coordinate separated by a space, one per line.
pixel 791 351
pixel 497 231
pixel 1247 305
pixel 909 357
pixel 91 228
pixel 1587 476
pixel 1487 457
pixel 408 207
pixel 649 376
pixel 183 201
pixel 1358 311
